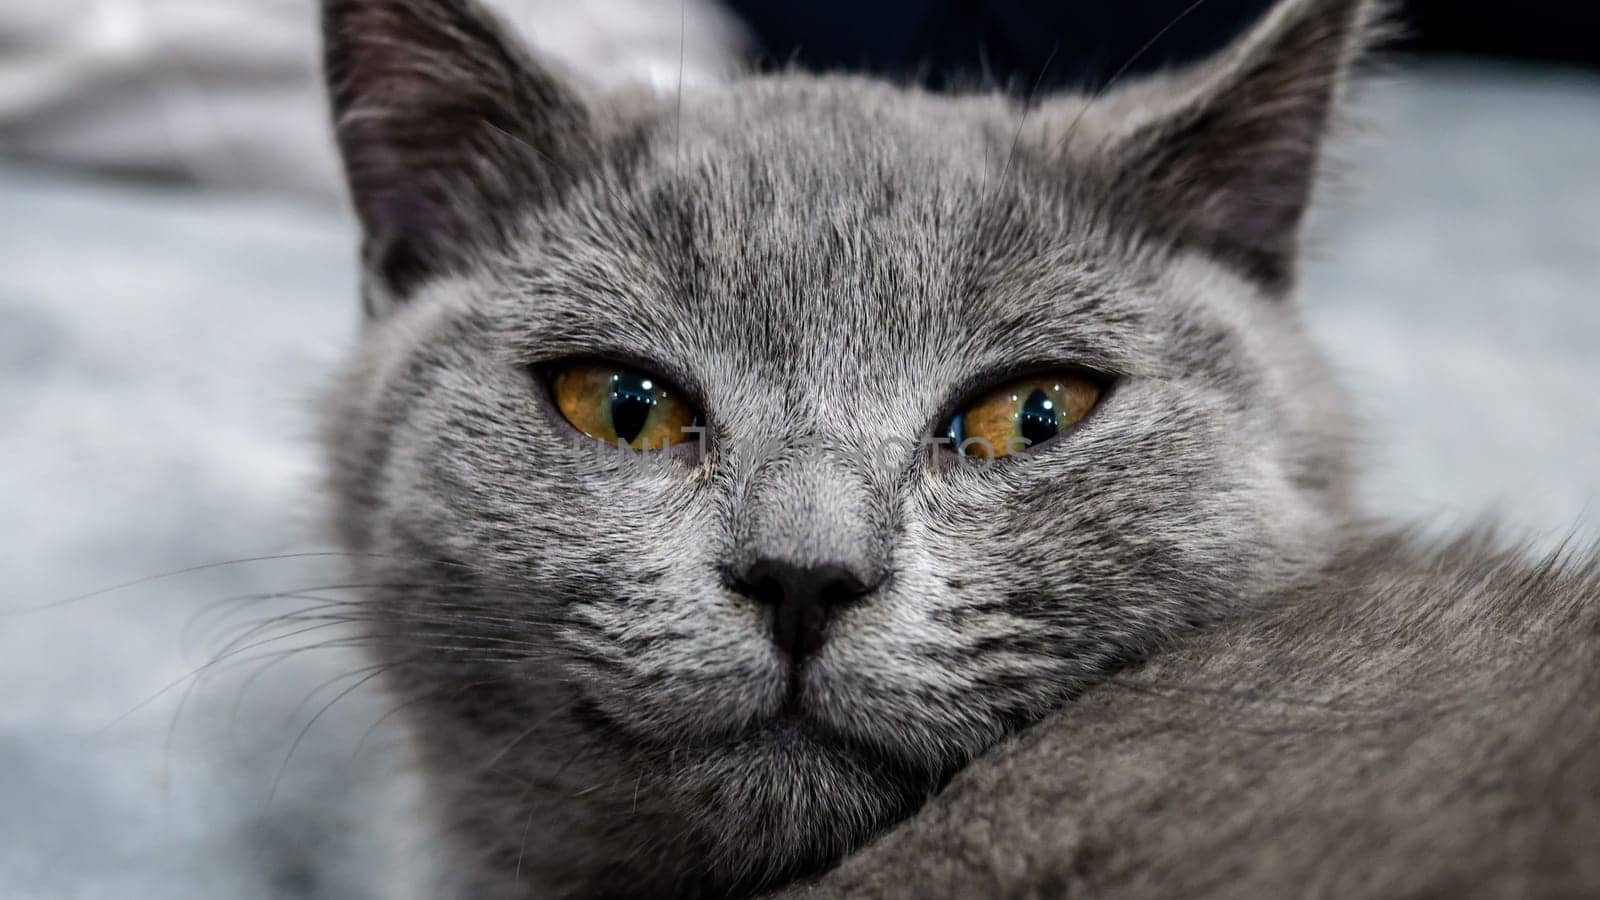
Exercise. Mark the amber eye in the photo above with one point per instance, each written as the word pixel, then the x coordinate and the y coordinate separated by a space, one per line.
pixel 1021 414
pixel 619 405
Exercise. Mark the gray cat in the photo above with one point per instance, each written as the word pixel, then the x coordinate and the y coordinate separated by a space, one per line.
pixel 742 474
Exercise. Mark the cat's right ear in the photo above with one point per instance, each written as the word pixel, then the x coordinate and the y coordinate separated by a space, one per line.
pixel 1223 157
pixel 449 133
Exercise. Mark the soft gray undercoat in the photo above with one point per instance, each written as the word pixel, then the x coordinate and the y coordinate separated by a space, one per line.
pixel 827 266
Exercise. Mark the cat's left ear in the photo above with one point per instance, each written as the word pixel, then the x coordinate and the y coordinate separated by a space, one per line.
pixel 449 133
pixel 1224 157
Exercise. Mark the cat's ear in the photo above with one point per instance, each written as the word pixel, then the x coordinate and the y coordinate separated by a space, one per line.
pixel 1227 158
pixel 448 130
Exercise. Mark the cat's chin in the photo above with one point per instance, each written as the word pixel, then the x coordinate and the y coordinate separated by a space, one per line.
pixel 800 727
pixel 794 730
pixel 824 789
pixel 794 740
pixel 786 798
pixel 792 726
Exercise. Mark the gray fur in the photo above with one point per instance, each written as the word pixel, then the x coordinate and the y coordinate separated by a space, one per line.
pixel 1411 721
pixel 827 266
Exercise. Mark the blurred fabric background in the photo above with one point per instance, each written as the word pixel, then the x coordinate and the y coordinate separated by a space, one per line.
pixel 177 282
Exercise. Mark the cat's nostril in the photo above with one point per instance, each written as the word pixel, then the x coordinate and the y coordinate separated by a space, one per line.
pixel 802 600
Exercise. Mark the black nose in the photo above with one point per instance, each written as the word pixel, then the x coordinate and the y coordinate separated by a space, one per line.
pixel 802 599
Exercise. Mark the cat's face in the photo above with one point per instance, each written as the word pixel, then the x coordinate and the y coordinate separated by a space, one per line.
pixel 614 684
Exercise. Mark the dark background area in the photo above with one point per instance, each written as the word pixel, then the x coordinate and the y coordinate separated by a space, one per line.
pixel 1083 43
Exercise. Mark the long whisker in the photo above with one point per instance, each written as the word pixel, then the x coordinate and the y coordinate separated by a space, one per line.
pixel 1122 71
pixel 203 567
pixel 489 629
pixel 178 682
pixel 1027 107
pixel 212 607
pixel 533 807
pixel 412 701
pixel 284 767
pixel 683 24
pixel 225 659
pixel 520 737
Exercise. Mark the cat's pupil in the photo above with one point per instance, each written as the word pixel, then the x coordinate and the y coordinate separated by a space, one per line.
pixel 633 396
pixel 1037 422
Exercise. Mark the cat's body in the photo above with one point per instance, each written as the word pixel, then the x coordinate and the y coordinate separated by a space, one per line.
pixel 1417 719
pixel 713 670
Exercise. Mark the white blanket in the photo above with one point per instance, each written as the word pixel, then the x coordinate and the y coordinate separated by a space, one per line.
pixel 228 92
